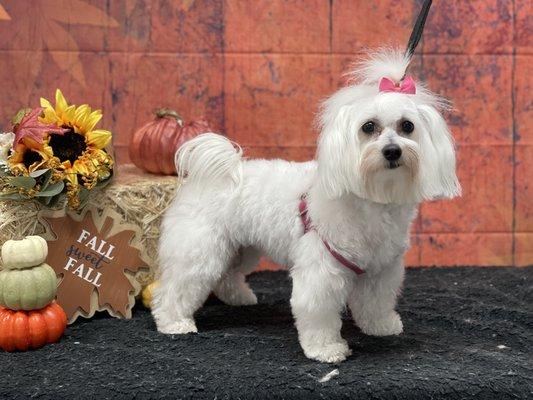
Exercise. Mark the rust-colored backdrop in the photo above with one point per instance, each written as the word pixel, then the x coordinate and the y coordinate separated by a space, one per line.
pixel 258 69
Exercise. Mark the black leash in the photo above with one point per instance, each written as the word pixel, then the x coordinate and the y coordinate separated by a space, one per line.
pixel 418 29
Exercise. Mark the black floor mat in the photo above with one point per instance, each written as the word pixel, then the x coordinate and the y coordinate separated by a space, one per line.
pixel 468 334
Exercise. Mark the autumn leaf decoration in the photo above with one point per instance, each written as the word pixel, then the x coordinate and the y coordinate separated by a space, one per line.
pixel 31 128
pixel 97 258
pixel 3 14
pixel 53 21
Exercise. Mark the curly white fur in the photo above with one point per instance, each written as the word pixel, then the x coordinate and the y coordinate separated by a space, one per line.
pixel 229 211
pixel 207 159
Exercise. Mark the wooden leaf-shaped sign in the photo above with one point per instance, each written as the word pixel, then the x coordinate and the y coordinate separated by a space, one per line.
pixel 97 258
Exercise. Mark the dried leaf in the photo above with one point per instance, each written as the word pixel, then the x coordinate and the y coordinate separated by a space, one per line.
pixel 30 128
pixel 19 115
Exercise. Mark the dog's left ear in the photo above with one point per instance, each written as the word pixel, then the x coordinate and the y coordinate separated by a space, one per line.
pixel 439 179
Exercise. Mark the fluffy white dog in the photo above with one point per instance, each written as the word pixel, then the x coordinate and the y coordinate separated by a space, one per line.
pixel 340 223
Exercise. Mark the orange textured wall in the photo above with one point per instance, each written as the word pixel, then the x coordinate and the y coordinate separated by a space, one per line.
pixel 258 68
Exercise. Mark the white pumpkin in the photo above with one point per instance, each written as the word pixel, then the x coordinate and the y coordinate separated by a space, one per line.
pixel 26 253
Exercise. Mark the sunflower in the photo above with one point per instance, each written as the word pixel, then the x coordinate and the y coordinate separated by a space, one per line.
pixel 28 157
pixel 80 149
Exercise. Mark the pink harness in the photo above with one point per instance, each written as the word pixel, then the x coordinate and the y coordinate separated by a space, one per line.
pixel 306 221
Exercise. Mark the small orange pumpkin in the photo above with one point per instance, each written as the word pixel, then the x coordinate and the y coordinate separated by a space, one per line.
pixel 23 330
pixel 153 146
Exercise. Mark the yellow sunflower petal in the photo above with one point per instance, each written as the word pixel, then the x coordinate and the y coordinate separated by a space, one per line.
pixel 50 117
pixel 61 102
pixel 37 165
pixel 100 155
pixel 72 177
pixel 80 117
pixel 47 150
pixel 84 167
pixel 82 111
pixel 44 154
pixel 45 103
pixel 92 120
pixel 99 138
pixel 80 168
pixel 68 114
pixel 18 154
pixel 102 163
pixel 32 144
pixel 67 166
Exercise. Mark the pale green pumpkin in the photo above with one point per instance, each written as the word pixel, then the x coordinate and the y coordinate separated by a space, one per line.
pixel 27 289
pixel 26 253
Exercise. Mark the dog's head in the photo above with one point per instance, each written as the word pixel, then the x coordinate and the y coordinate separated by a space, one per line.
pixel 384 138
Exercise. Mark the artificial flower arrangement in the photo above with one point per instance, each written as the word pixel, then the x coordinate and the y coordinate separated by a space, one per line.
pixel 55 151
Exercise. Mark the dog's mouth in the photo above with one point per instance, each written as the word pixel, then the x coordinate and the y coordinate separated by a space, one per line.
pixel 393 165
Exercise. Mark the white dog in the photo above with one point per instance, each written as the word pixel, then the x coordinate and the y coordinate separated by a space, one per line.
pixel 340 223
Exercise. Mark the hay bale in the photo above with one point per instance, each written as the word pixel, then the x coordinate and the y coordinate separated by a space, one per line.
pixel 140 198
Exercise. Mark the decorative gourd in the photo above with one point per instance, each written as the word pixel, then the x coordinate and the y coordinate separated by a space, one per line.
pixel 147 294
pixel 25 253
pixel 153 146
pixel 27 289
pixel 23 330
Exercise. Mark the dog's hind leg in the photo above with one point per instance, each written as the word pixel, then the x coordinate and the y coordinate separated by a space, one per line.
pixel 232 288
pixel 192 262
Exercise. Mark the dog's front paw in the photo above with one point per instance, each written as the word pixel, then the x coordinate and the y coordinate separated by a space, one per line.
pixel 180 327
pixel 330 353
pixel 387 326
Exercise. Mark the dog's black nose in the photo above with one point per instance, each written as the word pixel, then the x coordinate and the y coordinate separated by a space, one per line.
pixel 392 152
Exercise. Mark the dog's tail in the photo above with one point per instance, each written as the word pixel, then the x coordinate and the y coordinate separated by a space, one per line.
pixel 207 159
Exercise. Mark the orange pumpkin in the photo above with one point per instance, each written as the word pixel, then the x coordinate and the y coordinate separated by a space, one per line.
pixel 153 146
pixel 23 330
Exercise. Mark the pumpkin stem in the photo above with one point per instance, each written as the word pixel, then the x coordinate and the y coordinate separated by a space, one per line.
pixel 166 112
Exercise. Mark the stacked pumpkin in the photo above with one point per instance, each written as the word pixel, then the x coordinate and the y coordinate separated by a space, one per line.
pixel 29 316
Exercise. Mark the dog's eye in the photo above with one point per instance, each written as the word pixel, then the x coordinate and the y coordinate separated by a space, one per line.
pixel 368 127
pixel 408 126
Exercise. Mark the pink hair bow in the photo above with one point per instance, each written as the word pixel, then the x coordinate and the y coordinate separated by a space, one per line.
pixel 407 85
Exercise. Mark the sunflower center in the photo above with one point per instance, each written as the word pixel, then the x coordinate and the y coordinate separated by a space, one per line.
pixel 30 157
pixel 68 146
